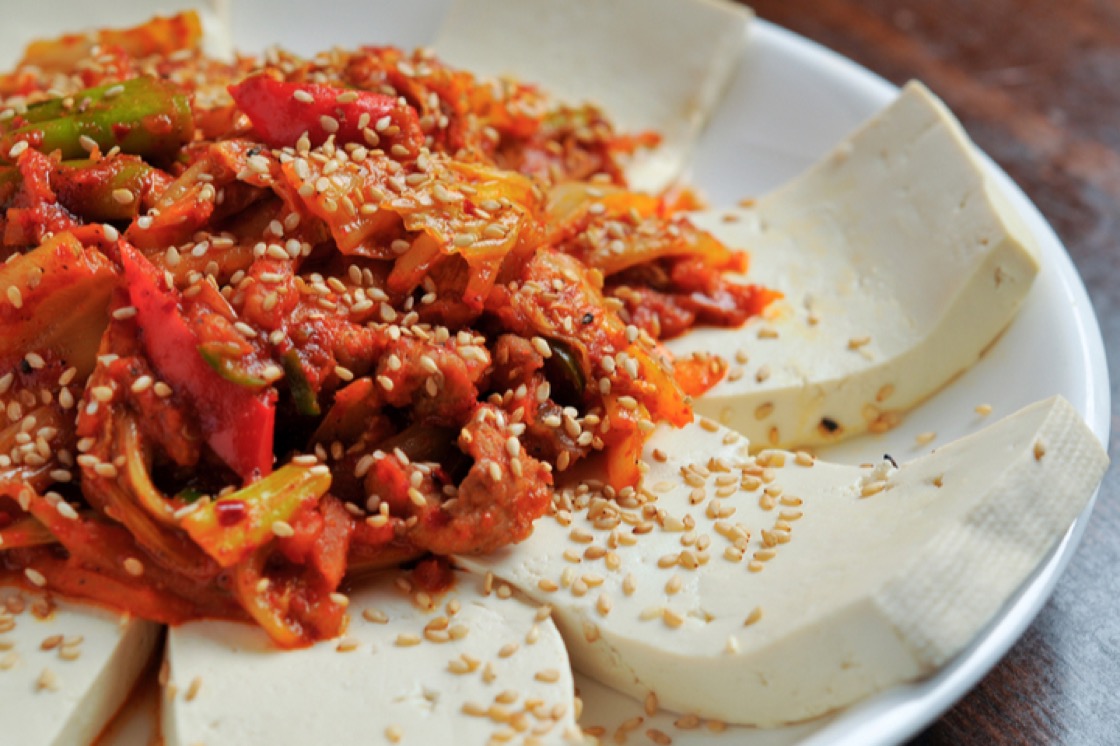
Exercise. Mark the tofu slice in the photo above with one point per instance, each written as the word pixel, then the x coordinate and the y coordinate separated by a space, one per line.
pixel 650 64
pixel 503 671
pixel 900 262
pixel 65 669
pixel 770 589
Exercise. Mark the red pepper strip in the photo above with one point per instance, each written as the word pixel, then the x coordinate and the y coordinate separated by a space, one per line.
pixel 237 423
pixel 279 117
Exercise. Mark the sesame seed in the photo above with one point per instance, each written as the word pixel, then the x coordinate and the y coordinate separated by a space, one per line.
pixel 193 689
pixel 282 529
pixel 133 567
pixel 873 488
pixel 47 680
pixel 123 196
pixel 548 675
pixel 106 470
pixel 542 347
pixel 15 297
pixel 984 409
pixel 348 644
pixel 35 577
pixel 651 704
pixel 17 149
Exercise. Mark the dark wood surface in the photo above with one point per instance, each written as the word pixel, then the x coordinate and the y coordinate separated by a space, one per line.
pixel 1037 85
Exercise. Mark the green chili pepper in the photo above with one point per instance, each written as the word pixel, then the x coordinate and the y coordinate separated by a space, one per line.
pixel 232 367
pixel 93 190
pixel 302 394
pixel 143 116
pixel 565 374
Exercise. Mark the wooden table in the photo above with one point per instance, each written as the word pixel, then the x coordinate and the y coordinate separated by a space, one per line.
pixel 1037 85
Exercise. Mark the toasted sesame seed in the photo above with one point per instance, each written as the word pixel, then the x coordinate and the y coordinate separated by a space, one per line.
pixel 282 529
pixel 394 733
pixel 47 681
pixel 984 409
pixel 542 347
pixel 35 577
pixel 873 488
pixel 651 704
pixel 104 469
pixel 348 644
pixel 548 675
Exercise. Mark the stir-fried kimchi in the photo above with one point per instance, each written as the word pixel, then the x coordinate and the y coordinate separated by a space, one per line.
pixel 268 323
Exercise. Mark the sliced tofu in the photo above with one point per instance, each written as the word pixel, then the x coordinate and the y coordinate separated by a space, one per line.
pixel 65 669
pixel 900 263
pixel 770 589
pixel 650 64
pixel 488 666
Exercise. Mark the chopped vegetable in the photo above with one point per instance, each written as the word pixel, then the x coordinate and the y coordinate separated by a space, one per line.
pixel 56 299
pixel 109 189
pixel 237 422
pixel 282 112
pixel 233 526
pixel 142 116
pixel 157 36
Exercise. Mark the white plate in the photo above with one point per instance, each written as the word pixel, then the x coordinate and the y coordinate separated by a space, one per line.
pixel 789 102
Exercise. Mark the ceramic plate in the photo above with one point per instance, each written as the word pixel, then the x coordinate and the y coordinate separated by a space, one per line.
pixel 789 101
